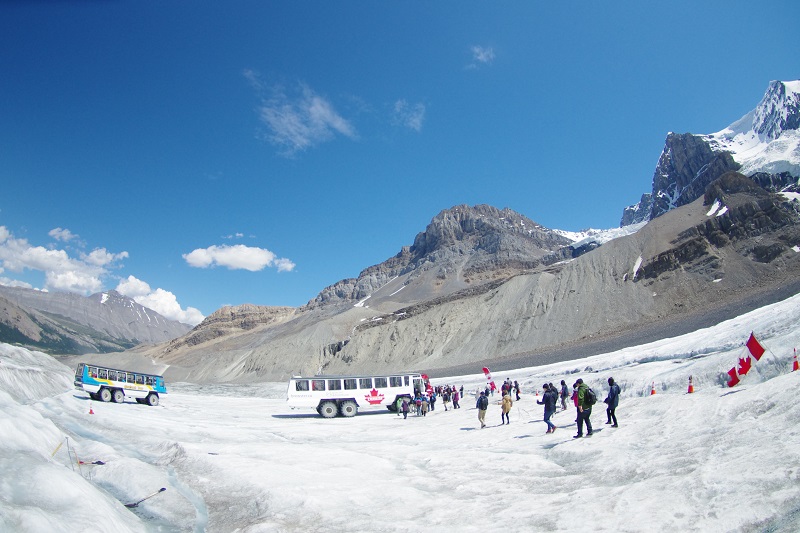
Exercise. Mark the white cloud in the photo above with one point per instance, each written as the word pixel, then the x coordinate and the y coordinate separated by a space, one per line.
pixel 299 121
pixel 61 271
pixel 62 234
pixel 409 115
pixel 101 257
pixel 237 257
pixel 8 282
pixel 162 302
pixel 481 56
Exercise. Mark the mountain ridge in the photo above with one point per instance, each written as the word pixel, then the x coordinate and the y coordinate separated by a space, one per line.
pixel 67 323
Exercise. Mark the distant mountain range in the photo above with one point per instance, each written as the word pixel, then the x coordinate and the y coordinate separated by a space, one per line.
pixel 484 284
pixel 65 323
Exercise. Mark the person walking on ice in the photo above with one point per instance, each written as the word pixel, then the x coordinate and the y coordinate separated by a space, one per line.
pixel 482 405
pixel 549 400
pixel 506 408
pixel 612 401
pixel 584 409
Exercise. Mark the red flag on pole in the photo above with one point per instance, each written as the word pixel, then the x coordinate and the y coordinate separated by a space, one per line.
pixel 755 348
pixel 734 378
pixel 489 378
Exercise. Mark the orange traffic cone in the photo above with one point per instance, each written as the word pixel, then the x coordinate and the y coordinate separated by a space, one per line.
pixel 90 409
pixel 691 387
pixel 794 363
pixel 653 388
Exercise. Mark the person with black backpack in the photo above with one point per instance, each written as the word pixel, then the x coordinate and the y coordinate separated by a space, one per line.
pixel 586 398
pixel 612 401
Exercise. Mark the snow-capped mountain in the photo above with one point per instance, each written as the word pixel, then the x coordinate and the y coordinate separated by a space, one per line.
pixel 767 138
pixel 763 145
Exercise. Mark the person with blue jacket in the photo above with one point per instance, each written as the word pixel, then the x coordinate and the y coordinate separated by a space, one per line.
pixel 612 401
pixel 549 400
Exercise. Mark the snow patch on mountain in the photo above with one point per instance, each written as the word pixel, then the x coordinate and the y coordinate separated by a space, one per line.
pixel 599 236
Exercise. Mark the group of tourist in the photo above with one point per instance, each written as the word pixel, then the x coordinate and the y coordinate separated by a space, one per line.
pixel 426 401
pixel 583 399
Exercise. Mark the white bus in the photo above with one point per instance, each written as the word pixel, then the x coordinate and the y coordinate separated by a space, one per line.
pixel 345 395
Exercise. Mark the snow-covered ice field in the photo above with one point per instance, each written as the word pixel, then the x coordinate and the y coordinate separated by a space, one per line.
pixel 235 458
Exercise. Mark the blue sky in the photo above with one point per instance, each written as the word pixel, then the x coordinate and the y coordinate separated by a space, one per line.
pixel 199 154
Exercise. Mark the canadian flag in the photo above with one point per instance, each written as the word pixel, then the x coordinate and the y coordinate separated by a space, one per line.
pixel 489 378
pixel 744 365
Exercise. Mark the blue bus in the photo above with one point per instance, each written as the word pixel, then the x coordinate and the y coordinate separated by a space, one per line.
pixel 109 384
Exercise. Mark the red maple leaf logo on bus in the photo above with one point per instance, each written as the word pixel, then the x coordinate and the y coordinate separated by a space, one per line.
pixel 374 397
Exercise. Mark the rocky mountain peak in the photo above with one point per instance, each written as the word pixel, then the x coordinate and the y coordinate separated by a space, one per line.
pixel 480 227
pixel 763 145
pixel 460 247
pixel 778 111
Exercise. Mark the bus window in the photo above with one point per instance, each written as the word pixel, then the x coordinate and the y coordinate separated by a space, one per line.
pixel 121 377
pixel 318 384
pixel 395 381
pixel 102 373
pixel 350 383
pixel 380 383
pixel 334 384
pixel 131 378
pixel 150 380
pixel 405 379
pixel 364 383
pixel 79 371
pixel 139 379
pixel 93 371
pixel 301 385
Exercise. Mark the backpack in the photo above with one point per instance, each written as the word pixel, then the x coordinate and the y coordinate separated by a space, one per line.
pixel 483 401
pixel 589 397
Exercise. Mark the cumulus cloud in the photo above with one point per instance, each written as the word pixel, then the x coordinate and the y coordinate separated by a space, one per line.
pixel 81 275
pixel 62 234
pixel 409 115
pixel 161 301
pixel 481 56
pixel 300 120
pixel 237 257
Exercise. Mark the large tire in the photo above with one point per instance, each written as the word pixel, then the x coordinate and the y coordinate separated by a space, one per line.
pixel 105 394
pixel 348 408
pixel 118 395
pixel 94 396
pixel 328 409
pixel 152 399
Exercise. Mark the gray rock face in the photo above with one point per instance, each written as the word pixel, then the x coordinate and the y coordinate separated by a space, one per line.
pixel 229 320
pixel 463 245
pixel 686 167
pixel 68 323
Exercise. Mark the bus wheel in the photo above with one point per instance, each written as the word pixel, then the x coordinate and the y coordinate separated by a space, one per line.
pixel 94 396
pixel 348 408
pixel 328 409
pixel 152 399
pixel 105 395
pixel 118 396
